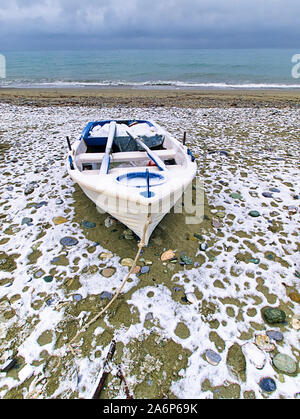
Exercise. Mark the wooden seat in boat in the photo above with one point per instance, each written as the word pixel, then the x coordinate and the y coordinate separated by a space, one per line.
pixel 124 156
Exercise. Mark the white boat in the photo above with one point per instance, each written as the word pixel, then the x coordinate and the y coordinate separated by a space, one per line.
pixel 132 169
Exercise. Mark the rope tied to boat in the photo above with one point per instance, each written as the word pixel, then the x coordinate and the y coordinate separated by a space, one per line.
pixel 140 247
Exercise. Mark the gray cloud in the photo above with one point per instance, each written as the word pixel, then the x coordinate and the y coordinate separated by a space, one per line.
pixel 132 23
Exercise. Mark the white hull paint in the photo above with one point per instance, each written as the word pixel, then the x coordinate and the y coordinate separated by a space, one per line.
pixel 126 203
pixel 133 215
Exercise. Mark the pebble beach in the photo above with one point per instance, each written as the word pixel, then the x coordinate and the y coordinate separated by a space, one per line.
pixel 212 310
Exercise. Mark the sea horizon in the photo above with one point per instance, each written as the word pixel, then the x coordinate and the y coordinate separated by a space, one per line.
pixel 171 68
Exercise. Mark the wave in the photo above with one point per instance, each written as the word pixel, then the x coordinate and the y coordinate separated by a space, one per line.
pixel 149 83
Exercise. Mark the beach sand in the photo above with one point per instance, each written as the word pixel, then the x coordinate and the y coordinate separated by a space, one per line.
pixel 238 264
pixel 148 98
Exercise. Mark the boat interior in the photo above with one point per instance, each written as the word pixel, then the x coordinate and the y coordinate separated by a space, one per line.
pixel 125 153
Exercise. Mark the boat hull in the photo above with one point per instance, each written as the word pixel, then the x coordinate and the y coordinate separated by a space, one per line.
pixel 133 214
pixel 131 189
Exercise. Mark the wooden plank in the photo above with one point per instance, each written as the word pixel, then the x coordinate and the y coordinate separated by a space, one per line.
pixel 124 156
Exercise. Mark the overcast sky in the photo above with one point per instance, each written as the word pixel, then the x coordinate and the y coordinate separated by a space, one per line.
pixel 62 24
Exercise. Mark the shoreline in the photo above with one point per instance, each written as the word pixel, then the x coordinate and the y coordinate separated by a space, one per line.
pixel 185 98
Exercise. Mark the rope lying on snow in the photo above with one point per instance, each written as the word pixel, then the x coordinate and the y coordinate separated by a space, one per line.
pixel 140 247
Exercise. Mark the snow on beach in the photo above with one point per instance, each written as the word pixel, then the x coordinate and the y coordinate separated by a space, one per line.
pixel 246 258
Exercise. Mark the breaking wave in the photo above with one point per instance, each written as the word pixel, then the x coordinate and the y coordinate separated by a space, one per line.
pixel 146 84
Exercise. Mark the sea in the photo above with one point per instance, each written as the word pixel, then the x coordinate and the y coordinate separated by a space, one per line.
pixel 153 69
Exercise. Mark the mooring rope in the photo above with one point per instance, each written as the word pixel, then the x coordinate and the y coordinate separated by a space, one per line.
pixel 140 247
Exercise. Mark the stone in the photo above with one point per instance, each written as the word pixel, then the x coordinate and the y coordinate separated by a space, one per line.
pixel 198 236
pixel 136 269
pixel 127 262
pixel 267 384
pixel 211 257
pixel 48 278
pixel 216 223
pixel 108 272
pixel 184 299
pixel 212 357
pixel 292 209
pixel 28 190
pixel 167 255
pixel 284 363
pixel 263 343
pixel 254 355
pixel 128 234
pixel 69 241
pixel 203 247
pixel 27 220
pixel 106 255
pixel 236 196
pixel 144 269
pixel 255 261
pixel 296 322
pixel 39 273
pixel 191 298
pixel 88 224
pixel 275 335
pixel 41 204
pixel 106 295
pixel 108 222
pixel 59 220
pixel 254 213
pixel 274 315
pixel 149 316
pixel 186 260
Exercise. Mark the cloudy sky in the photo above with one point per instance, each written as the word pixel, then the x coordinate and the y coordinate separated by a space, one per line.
pixel 61 24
